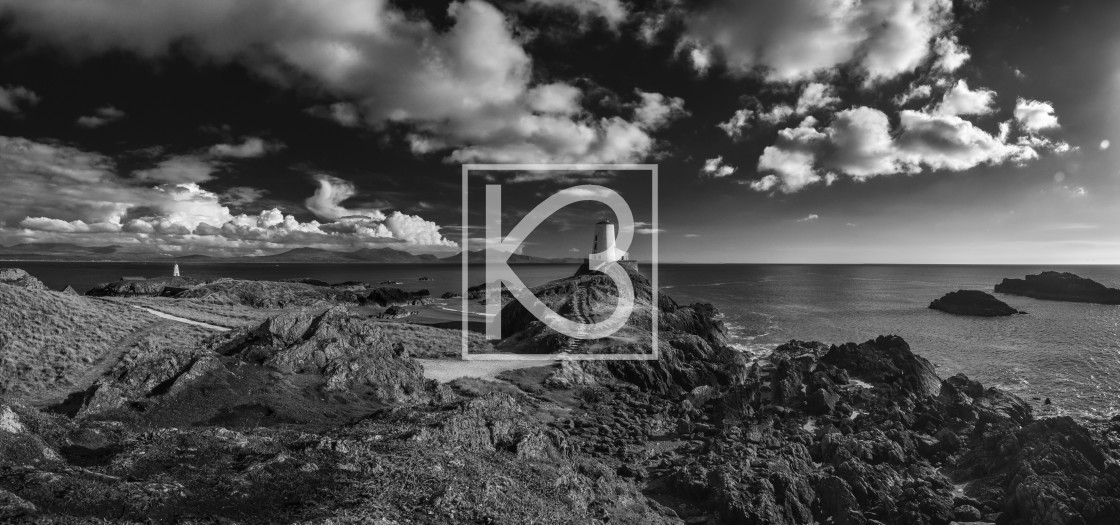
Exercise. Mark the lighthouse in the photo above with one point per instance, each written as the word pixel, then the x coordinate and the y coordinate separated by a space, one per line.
pixel 603 248
pixel 175 272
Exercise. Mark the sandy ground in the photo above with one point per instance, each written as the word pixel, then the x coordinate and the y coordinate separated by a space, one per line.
pixel 444 370
pixel 181 320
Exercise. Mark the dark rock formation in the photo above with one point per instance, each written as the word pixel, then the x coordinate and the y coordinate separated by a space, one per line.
pixel 973 302
pixel 450 295
pixel 396 297
pixel 1054 286
pixel 147 287
pixel 18 277
pixel 394 312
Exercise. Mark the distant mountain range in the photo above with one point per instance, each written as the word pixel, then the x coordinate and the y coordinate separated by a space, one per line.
pixel 115 253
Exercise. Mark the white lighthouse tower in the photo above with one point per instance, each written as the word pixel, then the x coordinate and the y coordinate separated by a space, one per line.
pixel 603 249
pixel 175 272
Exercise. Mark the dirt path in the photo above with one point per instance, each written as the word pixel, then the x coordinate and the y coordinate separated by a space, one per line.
pixel 170 317
pixel 59 393
pixel 444 370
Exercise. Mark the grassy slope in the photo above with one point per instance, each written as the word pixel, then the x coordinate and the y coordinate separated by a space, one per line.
pixel 49 340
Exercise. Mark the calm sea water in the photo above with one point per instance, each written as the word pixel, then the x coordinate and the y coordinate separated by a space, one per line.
pixel 1068 352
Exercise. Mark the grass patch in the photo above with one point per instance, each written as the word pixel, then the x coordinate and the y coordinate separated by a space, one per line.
pixel 49 339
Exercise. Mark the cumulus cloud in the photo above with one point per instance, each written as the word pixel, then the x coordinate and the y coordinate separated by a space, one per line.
pixel 327 201
pixel 715 167
pixel 1035 115
pixel 251 147
pixel 55 192
pixel 809 218
pixel 816 95
pixel 776 114
pixel 860 143
pixel 655 110
pixel 178 169
pixel 104 115
pixel 14 98
pixel 737 123
pixel 950 54
pixel 794 39
pixel 960 100
pixel 915 92
pixel 467 89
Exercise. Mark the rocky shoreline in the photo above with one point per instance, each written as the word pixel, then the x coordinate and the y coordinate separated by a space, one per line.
pixel 324 417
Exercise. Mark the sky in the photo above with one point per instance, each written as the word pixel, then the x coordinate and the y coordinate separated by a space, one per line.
pixel 808 131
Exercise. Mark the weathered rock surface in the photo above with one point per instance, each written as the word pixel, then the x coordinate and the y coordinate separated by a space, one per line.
pixel 394 312
pixel 20 278
pixel 1065 286
pixel 973 302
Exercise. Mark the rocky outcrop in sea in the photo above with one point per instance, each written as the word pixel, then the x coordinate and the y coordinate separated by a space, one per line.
pixel 1065 286
pixel 973 302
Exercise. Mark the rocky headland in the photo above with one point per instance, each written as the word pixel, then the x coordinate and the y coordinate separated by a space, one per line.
pixel 327 418
pixel 1055 286
pixel 973 302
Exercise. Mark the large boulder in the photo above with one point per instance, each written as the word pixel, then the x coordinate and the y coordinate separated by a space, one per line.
pixel 973 302
pixel 18 277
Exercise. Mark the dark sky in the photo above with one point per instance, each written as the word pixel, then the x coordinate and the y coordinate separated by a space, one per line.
pixel 785 131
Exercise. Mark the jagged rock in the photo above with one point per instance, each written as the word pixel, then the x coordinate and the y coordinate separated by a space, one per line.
pixel 18 277
pixel 394 312
pixel 1065 286
pixel 68 290
pixel 822 401
pixel 972 302
pixel 887 359
pixel 12 506
pixel 397 297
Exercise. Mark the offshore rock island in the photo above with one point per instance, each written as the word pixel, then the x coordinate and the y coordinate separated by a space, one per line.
pixel 973 302
pixel 1055 286
pixel 310 409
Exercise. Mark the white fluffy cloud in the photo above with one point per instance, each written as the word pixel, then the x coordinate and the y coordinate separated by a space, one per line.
pixel 104 115
pixel 816 95
pixel 251 147
pixel 960 100
pixel 1035 115
pixel 794 39
pixel 715 167
pixel 859 143
pixel 737 123
pixel 655 110
pixel 327 201
pixel 950 54
pixel 14 98
pixel 178 169
pixel 467 89
pixel 59 193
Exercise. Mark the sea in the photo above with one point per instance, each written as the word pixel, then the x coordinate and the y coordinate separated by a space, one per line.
pixel 1066 352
